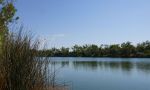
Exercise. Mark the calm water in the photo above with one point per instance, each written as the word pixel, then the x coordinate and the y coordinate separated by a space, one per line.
pixel 104 73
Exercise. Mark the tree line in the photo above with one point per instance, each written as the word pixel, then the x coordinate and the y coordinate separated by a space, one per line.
pixel 126 49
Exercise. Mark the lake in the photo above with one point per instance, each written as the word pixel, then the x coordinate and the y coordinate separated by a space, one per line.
pixel 103 73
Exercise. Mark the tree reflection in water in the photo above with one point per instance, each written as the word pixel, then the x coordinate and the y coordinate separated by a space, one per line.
pixel 125 66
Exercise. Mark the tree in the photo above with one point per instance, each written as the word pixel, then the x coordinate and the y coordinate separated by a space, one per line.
pixel 7 13
pixel 77 50
pixel 93 50
pixel 143 49
pixel 114 50
pixel 64 51
pixel 127 49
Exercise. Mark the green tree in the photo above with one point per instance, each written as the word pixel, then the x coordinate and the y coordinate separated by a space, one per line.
pixel 77 50
pixel 114 50
pixel 7 13
pixel 93 50
pixel 127 49
pixel 143 49
pixel 64 51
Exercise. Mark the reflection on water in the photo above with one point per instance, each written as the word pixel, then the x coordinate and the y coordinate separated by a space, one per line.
pixel 105 73
pixel 126 66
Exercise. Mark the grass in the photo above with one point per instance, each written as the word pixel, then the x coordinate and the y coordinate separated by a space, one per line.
pixel 20 68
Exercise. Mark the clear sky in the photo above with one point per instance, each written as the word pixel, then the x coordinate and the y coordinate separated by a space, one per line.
pixel 69 22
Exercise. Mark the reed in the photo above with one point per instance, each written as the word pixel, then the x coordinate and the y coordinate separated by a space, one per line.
pixel 20 68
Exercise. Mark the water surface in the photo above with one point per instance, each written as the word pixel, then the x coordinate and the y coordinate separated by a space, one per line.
pixel 104 73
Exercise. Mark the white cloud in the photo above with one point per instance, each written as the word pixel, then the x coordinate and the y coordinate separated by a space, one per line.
pixel 54 37
pixel 51 38
pixel 58 35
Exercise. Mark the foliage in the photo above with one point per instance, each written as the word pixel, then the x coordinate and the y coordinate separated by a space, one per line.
pixel 7 13
pixel 20 69
pixel 125 49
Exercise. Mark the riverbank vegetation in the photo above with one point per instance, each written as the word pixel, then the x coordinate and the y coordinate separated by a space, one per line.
pixel 126 49
pixel 20 68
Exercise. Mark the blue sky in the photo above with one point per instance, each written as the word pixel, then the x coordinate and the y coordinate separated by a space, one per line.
pixel 69 22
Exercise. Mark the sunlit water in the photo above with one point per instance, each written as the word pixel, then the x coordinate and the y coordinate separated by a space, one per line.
pixel 104 73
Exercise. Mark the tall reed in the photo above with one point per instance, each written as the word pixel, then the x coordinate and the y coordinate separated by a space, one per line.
pixel 20 68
